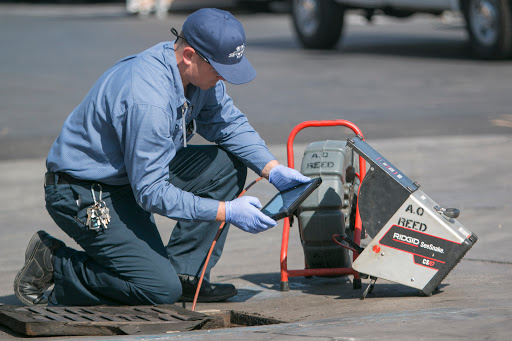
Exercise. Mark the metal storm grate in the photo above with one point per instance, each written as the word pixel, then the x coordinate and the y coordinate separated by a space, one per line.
pixel 100 320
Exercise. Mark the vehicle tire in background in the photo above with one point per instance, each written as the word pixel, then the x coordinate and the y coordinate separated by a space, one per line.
pixel 489 25
pixel 318 23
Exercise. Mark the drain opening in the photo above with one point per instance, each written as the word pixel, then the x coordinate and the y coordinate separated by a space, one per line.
pixel 222 319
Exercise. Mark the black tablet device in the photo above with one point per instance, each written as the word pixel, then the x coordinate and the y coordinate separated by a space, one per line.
pixel 286 202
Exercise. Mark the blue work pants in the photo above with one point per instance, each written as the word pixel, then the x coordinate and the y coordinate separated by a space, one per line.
pixel 127 263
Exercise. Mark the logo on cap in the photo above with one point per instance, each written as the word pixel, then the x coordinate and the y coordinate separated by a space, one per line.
pixel 239 52
pixel 219 36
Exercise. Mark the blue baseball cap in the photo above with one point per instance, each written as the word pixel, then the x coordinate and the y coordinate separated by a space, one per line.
pixel 220 38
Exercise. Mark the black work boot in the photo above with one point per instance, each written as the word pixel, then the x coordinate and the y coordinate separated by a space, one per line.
pixel 208 293
pixel 36 276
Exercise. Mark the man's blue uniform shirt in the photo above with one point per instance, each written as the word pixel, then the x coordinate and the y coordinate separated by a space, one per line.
pixel 130 125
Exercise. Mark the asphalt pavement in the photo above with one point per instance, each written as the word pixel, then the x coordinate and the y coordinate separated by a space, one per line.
pixel 474 302
pixel 461 157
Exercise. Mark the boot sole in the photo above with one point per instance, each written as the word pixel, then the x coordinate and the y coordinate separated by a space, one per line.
pixel 207 299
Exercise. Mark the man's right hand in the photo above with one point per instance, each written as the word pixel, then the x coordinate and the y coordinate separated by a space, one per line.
pixel 245 214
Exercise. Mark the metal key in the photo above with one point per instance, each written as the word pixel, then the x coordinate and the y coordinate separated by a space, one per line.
pixel 92 218
pixel 98 215
pixel 104 215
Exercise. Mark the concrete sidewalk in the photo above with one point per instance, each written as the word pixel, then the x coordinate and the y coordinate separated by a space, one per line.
pixel 469 173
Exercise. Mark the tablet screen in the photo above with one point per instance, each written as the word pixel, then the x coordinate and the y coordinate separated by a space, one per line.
pixel 284 203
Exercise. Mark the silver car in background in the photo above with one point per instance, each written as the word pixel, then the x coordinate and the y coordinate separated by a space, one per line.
pixel 319 23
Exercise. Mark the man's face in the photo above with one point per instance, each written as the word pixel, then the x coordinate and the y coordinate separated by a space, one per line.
pixel 203 75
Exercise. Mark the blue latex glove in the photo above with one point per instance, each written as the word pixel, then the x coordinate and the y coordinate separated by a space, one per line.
pixel 245 214
pixel 283 177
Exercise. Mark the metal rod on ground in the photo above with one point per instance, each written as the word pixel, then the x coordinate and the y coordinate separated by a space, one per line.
pixel 200 282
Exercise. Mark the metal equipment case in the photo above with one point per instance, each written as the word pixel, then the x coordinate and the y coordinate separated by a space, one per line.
pixel 416 242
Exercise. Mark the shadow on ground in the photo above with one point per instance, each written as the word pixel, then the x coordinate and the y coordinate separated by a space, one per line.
pixel 341 287
pixel 9 300
pixel 374 44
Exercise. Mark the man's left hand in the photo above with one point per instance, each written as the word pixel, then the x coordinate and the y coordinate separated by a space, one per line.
pixel 284 177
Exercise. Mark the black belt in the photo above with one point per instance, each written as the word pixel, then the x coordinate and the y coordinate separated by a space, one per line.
pixel 62 179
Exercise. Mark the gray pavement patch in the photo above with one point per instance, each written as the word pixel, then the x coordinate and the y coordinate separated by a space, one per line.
pixel 487 261
pixel 67 10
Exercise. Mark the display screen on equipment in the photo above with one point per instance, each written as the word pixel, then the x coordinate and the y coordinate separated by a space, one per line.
pixel 284 203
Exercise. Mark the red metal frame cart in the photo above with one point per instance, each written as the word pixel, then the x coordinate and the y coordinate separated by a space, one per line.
pixel 285 272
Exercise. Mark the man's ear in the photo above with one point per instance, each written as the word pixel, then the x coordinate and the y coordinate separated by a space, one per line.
pixel 188 52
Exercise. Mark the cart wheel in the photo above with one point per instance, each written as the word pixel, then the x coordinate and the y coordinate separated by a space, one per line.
pixel 285 286
pixel 357 283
